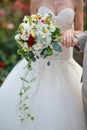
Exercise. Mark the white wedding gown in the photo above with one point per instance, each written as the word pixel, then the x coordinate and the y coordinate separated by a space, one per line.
pixel 55 96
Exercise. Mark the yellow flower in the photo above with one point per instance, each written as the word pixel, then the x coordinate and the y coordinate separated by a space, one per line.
pixel 36 16
pixel 33 34
pixel 45 30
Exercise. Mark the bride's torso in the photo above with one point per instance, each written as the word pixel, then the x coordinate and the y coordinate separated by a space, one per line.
pixel 64 20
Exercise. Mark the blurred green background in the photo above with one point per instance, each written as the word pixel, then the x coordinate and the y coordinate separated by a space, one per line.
pixel 11 14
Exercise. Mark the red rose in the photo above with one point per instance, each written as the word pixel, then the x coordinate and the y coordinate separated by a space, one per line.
pixel 43 21
pixel 2 65
pixel 39 18
pixel 31 41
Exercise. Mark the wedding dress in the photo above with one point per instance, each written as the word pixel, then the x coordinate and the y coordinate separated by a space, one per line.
pixel 55 96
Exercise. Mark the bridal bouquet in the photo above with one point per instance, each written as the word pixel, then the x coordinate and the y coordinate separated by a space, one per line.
pixel 38 36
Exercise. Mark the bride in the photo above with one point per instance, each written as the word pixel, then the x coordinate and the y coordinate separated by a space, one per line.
pixel 55 97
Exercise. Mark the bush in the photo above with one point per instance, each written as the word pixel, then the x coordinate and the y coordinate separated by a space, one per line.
pixel 10 17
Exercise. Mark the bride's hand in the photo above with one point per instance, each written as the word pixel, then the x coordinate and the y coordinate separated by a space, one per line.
pixel 67 36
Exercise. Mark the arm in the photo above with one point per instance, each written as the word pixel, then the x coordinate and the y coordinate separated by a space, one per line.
pixel 82 38
pixel 78 24
pixel 79 40
pixel 34 6
pixel 78 21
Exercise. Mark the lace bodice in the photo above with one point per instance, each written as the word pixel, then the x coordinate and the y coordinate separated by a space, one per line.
pixel 64 20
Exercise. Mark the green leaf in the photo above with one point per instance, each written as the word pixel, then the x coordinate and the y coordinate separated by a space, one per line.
pixel 32 118
pixel 20 94
pixel 50 15
pixel 22 120
pixel 56 46
pixel 57 32
pixel 28 115
pixel 24 90
pixel 33 59
pixel 47 52
pixel 23 79
pixel 26 98
pixel 48 63
pixel 30 54
pixel 26 108
pixel 37 57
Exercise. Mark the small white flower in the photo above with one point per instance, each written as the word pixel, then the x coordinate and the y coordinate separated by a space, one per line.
pixel 26 19
pixel 24 36
pixel 52 28
pixel 17 37
pixel 37 47
pixel 25 45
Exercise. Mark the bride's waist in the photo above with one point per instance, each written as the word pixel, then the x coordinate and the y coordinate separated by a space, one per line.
pixel 67 53
pixel 59 57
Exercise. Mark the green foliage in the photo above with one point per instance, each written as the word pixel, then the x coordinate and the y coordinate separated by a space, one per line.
pixel 8 55
pixel 56 46
pixel 46 52
pixel 24 100
pixel 8 45
pixel 56 34
pixel 28 55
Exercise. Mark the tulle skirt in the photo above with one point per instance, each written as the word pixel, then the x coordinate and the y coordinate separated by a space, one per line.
pixel 55 96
